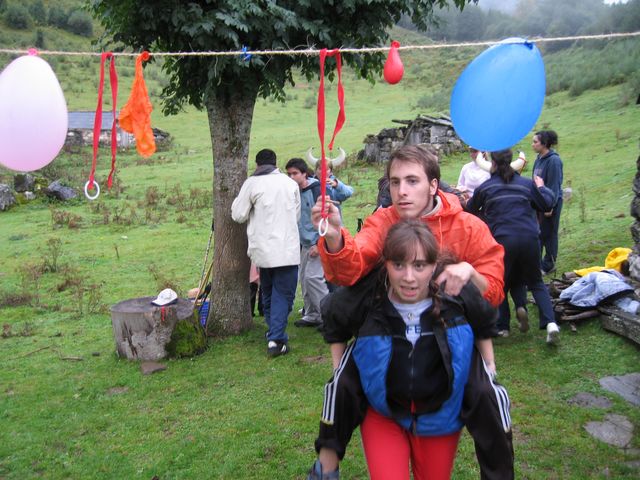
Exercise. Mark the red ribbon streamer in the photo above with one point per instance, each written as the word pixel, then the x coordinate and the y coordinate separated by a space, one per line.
pixel 321 119
pixel 97 124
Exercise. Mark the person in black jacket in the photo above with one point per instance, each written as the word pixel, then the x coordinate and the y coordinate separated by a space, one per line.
pixel 398 313
pixel 548 166
pixel 508 203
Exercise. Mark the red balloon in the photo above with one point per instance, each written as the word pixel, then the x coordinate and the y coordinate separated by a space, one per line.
pixel 393 68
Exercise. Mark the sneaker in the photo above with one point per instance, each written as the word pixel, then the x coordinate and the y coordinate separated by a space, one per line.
pixel 523 319
pixel 503 333
pixel 277 348
pixel 316 473
pixel 553 333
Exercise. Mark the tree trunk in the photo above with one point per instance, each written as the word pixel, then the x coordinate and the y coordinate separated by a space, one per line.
pixel 230 119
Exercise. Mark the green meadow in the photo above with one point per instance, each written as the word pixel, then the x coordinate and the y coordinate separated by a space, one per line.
pixel 231 412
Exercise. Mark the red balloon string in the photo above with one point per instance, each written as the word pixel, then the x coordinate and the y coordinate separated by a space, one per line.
pixel 113 77
pixel 321 119
pixel 97 124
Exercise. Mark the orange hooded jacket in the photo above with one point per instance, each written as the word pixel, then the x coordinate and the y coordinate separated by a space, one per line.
pixel 459 232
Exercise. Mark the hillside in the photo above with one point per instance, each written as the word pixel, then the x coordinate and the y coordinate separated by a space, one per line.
pixel 229 413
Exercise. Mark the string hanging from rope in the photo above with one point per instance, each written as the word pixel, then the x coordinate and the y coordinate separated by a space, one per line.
pixel 314 51
pixel 321 124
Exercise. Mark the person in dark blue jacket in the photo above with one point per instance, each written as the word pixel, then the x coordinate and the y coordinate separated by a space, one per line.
pixel 548 166
pixel 508 203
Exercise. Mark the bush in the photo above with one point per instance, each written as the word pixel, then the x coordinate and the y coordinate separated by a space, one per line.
pixel 80 23
pixel 57 17
pixel 38 12
pixel 17 16
pixel 39 43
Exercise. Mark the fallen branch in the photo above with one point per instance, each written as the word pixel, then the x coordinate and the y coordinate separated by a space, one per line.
pixel 74 359
pixel 31 353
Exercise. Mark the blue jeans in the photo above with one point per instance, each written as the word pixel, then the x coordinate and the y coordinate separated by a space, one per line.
pixel 278 287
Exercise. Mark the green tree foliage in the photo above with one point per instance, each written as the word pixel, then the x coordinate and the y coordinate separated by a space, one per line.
pixel 228 86
pixel 38 12
pixel 57 16
pixel 17 16
pixel 80 23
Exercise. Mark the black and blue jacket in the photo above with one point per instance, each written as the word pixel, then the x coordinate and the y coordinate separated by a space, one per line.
pixel 510 208
pixel 420 387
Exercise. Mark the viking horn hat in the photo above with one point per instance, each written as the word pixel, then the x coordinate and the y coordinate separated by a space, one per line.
pixel 334 161
pixel 518 164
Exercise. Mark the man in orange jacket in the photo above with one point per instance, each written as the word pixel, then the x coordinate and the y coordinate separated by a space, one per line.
pixel 414 176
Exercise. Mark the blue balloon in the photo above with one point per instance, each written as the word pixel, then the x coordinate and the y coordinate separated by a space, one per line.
pixel 499 96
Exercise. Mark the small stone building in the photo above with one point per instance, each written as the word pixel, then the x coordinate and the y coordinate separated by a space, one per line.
pixel 80 130
pixel 436 131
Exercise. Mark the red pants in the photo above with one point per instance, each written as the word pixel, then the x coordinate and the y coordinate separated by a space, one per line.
pixel 389 448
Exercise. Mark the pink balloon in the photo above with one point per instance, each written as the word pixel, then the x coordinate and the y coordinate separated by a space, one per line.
pixel 33 114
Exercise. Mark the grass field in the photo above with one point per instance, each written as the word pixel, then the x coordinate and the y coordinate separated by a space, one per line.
pixel 230 412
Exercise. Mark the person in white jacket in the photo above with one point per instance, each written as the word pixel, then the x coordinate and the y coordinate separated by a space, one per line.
pixel 471 175
pixel 270 201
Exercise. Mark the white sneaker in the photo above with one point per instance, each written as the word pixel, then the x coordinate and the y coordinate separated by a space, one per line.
pixel 503 333
pixel 553 333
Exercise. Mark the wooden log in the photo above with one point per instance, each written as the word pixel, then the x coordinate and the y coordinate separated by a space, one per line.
pixel 620 322
pixel 142 330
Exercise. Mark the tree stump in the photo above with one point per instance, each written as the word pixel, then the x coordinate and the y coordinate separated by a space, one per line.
pixel 142 330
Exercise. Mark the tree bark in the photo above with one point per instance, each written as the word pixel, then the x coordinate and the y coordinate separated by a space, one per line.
pixel 230 117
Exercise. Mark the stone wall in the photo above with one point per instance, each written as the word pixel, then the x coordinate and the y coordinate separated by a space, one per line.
pixel 437 131
pixel 634 257
pixel 84 138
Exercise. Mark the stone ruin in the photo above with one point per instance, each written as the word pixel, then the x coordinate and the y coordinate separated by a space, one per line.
pixel 634 257
pixel 436 131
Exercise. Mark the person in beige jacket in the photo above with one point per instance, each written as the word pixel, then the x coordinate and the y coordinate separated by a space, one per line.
pixel 270 202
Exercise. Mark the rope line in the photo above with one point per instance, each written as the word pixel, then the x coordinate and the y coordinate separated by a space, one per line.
pixel 313 51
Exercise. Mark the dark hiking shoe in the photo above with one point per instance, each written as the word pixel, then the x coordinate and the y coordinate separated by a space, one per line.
pixel 277 348
pixel 306 323
pixel 316 473
pixel 523 319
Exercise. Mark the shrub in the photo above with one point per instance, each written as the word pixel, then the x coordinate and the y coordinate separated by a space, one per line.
pixel 57 16
pixel 309 102
pixel 38 12
pixel 80 23
pixel 17 16
pixel 39 43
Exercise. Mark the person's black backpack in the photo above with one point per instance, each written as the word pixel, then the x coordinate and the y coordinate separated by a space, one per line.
pixel 384 195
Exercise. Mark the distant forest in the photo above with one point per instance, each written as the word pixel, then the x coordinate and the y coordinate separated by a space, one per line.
pixel 534 18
